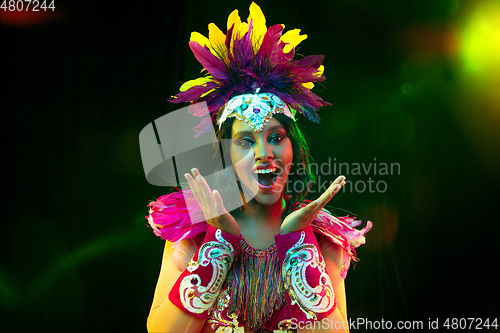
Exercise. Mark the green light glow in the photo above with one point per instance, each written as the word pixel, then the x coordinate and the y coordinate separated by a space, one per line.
pixel 480 46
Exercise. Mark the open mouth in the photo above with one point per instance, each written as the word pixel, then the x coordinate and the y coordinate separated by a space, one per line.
pixel 267 178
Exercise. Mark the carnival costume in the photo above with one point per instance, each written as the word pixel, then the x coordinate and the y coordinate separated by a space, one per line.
pixel 251 76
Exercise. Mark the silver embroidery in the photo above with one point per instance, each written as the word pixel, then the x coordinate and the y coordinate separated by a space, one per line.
pixel 310 299
pixel 198 298
pixel 216 321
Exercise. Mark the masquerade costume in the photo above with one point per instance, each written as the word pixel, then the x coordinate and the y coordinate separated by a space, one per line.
pixel 251 76
pixel 221 282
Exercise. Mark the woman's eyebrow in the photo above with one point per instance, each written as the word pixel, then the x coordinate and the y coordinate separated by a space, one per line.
pixel 251 133
pixel 243 133
pixel 274 128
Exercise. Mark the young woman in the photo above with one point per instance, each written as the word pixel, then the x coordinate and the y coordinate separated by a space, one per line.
pixel 276 263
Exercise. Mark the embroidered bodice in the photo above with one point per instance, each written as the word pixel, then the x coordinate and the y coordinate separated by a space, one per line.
pixel 231 284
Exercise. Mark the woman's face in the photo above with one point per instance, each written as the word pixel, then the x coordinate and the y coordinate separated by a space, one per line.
pixel 262 160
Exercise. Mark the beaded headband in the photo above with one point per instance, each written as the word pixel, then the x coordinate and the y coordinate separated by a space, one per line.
pixel 248 59
pixel 254 109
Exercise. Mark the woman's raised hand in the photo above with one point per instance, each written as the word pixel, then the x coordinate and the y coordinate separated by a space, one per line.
pixel 211 204
pixel 303 217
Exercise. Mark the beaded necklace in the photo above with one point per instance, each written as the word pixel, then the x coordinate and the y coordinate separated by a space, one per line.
pixel 253 288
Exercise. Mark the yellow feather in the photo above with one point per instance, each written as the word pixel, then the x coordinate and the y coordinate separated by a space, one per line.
pixel 292 38
pixel 217 41
pixel 234 18
pixel 259 27
pixel 242 30
pixel 196 82
pixel 216 36
pixel 256 13
pixel 320 71
pixel 308 85
pixel 287 48
pixel 208 92
pixel 199 38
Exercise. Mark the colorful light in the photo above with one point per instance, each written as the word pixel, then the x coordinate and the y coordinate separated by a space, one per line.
pixel 480 41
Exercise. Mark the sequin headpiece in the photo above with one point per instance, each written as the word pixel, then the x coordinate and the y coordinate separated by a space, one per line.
pixel 254 109
pixel 249 59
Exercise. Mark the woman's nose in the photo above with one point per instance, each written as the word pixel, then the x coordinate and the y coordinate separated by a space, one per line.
pixel 263 151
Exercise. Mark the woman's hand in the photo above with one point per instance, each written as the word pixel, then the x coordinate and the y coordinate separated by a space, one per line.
pixel 303 217
pixel 211 204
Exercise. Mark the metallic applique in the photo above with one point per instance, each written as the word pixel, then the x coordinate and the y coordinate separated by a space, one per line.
pixel 223 301
pixel 196 297
pixel 286 325
pixel 217 321
pixel 254 109
pixel 310 299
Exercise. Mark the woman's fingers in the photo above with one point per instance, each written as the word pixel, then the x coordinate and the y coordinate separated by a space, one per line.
pixel 211 203
pixel 199 187
pixel 312 206
pixel 303 217
pixel 195 172
pixel 204 195
pixel 219 205
pixel 332 190
pixel 193 186
pixel 205 190
pixel 196 186
pixel 312 209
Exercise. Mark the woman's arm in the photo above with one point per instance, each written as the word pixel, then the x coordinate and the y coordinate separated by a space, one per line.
pixel 190 288
pixel 165 316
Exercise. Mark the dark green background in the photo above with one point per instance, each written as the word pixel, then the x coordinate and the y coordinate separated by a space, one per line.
pixel 78 88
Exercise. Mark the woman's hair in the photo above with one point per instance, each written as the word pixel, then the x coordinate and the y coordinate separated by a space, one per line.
pixel 300 178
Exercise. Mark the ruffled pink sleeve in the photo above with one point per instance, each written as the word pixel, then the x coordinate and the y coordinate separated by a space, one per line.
pixel 341 231
pixel 176 216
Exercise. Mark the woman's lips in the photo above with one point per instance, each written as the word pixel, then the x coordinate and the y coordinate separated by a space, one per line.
pixel 263 167
pixel 262 172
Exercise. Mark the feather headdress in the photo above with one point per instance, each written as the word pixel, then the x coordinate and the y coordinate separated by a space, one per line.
pixel 249 58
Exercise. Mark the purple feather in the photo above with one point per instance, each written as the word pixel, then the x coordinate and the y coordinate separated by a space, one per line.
pixel 211 63
pixel 203 127
pixel 193 93
pixel 309 61
pixel 270 41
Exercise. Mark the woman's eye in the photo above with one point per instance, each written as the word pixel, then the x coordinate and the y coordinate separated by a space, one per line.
pixel 245 143
pixel 276 138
